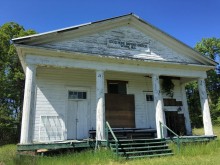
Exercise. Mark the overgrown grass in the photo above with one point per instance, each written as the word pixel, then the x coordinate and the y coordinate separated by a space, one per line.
pixel 190 154
pixel 7 154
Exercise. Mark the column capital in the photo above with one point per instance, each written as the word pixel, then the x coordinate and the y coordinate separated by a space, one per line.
pixel 155 75
pixel 33 66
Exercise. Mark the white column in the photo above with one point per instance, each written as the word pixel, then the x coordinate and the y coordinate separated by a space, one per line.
pixel 28 105
pixel 205 107
pixel 100 106
pixel 158 101
pixel 186 111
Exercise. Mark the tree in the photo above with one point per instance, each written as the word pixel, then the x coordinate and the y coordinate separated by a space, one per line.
pixel 11 82
pixel 210 48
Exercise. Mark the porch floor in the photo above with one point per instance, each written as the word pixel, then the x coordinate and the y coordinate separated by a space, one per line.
pixel 90 143
pixel 68 144
pixel 195 138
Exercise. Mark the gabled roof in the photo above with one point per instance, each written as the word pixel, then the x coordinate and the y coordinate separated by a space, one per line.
pixel 36 39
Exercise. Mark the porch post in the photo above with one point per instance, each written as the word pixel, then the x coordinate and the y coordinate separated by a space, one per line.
pixel 100 106
pixel 28 105
pixel 158 102
pixel 186 111
pixel 205 107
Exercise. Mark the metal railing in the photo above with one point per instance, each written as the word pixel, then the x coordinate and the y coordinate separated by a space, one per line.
pixel 162 134
pixel 107 129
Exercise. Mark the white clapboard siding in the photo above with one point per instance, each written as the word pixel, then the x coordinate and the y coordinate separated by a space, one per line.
pixel 98 44
pixel 52 96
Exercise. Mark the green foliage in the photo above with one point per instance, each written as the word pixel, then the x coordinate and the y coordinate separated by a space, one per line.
pixel 190 154
pixel 7 154
pixel 209 47
pixel 192 93
pixel 168 86
pixel 11 82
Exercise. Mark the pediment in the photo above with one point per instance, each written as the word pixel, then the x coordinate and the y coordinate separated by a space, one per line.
pixel 125 41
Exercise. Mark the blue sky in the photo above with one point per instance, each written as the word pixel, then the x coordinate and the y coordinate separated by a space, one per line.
pixel 186 20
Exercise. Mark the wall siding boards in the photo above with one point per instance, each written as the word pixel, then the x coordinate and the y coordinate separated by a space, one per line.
pixel 52 85
pixel 123 42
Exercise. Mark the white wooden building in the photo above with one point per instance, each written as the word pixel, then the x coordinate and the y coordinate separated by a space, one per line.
pixel 81 76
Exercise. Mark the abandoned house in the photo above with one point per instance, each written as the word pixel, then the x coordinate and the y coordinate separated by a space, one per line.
pixel 114 70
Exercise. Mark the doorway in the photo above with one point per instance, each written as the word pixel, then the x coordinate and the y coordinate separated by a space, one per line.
pixel 176 122
pixel 77 115
pixel 150 113
pixel 119 106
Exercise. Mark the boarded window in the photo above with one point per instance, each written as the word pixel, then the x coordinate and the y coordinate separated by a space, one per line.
pixel 117 87
pixel 120 111
pixel 51 128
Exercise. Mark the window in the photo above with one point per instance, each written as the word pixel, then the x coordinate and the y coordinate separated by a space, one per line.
pixel 77 95
pixel 149 97
pixel 117 87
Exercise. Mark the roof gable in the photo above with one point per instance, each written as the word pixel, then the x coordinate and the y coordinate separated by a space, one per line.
pixel 124 41
pixel 123 36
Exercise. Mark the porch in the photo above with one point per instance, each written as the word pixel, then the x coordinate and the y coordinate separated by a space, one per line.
pixel 84 99
pixel 129 148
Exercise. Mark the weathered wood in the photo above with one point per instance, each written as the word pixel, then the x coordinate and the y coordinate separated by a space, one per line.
pixel 175 122
pixel 56 145
pixel 158 101
pixel 205 107
pixel 118 66
pixel 100 106
pixel 28 107
pixel 120 110
pixel 171 102
pixel 125 52
pixel 121 41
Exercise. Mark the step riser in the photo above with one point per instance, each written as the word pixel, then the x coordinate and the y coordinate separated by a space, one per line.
pixel 139 144
pixel 144 153
pixel 141 148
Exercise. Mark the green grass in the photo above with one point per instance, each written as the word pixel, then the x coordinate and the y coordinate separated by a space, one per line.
pixel 201 154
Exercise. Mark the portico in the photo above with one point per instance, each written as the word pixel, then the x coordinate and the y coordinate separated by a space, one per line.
pixel 79 78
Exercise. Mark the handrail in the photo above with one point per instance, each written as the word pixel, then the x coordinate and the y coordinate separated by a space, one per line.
pixel 108 128
pixel 162 134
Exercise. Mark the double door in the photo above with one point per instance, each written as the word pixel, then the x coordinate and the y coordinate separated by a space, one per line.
pixel 77 119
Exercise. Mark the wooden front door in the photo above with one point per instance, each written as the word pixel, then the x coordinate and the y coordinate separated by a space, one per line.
pixel 120 110
pixel 176 122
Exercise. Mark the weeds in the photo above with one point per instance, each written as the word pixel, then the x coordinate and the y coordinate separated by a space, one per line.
pixel 190 154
